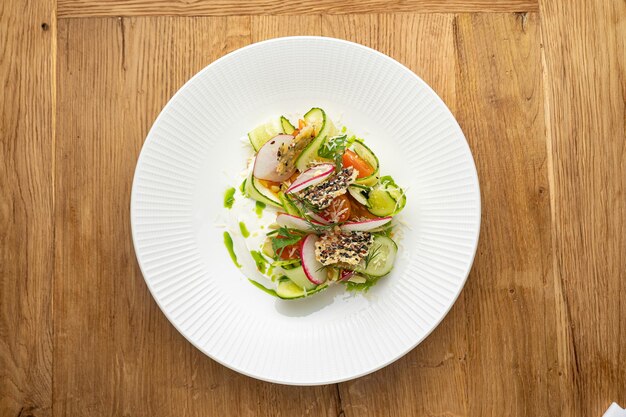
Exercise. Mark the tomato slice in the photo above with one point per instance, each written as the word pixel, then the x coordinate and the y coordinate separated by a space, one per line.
pixel 358 211
pixel 339 210
pixel 290 251
pixel 351 159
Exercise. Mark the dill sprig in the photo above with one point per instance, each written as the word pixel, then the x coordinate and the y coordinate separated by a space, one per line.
pixel 371 255
pixel 305 208
pixel 304 203
pixel 317 227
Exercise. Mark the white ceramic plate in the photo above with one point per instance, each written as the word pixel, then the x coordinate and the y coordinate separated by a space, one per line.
pixel 194 152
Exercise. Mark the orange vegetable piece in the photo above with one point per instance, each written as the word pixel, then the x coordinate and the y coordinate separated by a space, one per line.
pixel 351 159
pixel 339 210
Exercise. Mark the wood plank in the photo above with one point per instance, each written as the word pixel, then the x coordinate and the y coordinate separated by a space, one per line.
pixel 431 379
pixel 108 8
pixel 509 297
pixel 27 37
pixel 116 353
pixel 460 369
pixel 585 88
pixel 267 27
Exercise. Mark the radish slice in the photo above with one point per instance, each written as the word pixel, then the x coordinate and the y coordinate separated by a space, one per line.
pixel 366 225
pixel 345 275
pixel 311 176
pixel 295 222
pixel 266 160
pixel 317 218
pixel 313 269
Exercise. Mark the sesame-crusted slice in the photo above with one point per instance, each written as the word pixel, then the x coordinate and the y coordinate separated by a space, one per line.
pixel 343 248
pixel 322 195
pixel 288 153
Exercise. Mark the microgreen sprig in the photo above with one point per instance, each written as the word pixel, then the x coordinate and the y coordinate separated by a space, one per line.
pixel 283 237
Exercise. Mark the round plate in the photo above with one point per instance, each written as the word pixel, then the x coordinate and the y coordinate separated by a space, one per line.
pixel 194 152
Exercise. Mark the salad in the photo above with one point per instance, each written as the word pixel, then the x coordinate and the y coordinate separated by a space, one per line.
pixel 334 212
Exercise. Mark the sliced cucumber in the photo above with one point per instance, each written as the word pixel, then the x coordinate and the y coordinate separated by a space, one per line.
pixel 366 153
pixel 382 255
pixel 298 276
pixel 381 203
pixel 288 205
pixel 359 193
pixel 257 191
pixel 357 279
pixel 394 191
pixel 323 128
pixel 333 274
pixel 315 117
pixel 397 194
pixel 290 264
pixel 261 134
pixel 288 128
pixel 288 290
pixel 267 248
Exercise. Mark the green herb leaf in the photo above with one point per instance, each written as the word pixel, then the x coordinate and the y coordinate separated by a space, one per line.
pixel 283 237
pixel 387 180
pixel 385 230
pixel 334 148
pixel 365 286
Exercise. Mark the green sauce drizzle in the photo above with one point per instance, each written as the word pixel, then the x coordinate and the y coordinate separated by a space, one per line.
pixel 259 209
pixel 261 263
pixel 242 187
pixel 244 229
pixel 229 198
pixel 228 242
pixel 262 288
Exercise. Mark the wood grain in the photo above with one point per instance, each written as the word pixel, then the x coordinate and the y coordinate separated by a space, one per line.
pixel 430 380
pixel 108 8
pixel 27 34
pixel 267 27
pixel 585 84
pixel 539 329
pixel 115 352
pixel 491 64
pixel 510 361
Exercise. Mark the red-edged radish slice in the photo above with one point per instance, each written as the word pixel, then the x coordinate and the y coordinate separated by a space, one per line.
pixel 295 222
pixel 317 218
pixel 311 176
pixel 345 275
pixel 366 225
pixel 313 269
pixel 266 160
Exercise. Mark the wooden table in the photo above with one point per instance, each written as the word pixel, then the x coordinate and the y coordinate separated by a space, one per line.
pixel 539 90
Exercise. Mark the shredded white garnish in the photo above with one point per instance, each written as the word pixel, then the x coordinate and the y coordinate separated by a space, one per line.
pixel 404 223
pixel 357 279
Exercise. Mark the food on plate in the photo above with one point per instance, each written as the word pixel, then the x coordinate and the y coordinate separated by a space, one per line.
pixel 334 211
